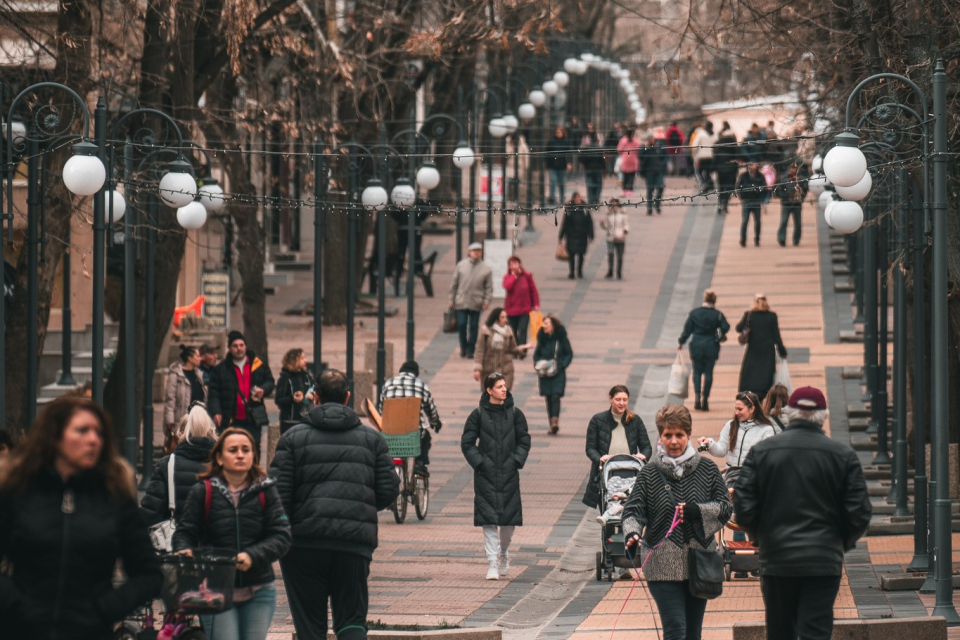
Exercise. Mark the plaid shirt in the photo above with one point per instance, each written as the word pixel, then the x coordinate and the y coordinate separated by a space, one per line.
pixel 407 385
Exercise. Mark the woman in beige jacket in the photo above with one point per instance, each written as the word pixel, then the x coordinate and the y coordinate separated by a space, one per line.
pixel 184 387
pixel 496 347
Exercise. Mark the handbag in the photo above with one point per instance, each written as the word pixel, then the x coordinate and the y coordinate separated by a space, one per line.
pixel 704 567
pixel 450 321
pixel 679 374
pixel 719 335
pixel 562 254
pixel 744 336
pixel 257 413
pixel 161 534
pixel 548 368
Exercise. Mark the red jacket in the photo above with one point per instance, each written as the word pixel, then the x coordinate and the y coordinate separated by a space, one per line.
pixel 522 296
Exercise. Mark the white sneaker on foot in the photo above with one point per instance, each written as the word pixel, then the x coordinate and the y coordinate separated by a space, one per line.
pixel 503 565
pixel 493 573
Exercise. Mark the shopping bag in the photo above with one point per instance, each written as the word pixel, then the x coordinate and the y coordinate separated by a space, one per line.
pixel 678 385
pixel 783 374
pixel 562 254
pixel 450 321
pixel 536 320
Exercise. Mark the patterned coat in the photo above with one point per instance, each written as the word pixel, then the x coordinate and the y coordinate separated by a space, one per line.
pixel 649 512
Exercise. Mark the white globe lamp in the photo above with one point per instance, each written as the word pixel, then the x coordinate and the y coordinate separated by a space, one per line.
pixel 177 186
pixel 824 199
pixel 403 194
pixel 192 216
pixel 561 78
pixel 550 88
pixel 816 165
pixel 537 98
pixel 817 184
pixel 846 216
pixel 844 165
pixel 570 65
pixel 427 176
pixel 497 127
pixel 858 191
pixel 582 67
pixel 119 206
pixel 374 196
pixel 463 156
pixel 84 174
pixel 210 195
pixel 527 111
pixel 827 212
pixel 511 121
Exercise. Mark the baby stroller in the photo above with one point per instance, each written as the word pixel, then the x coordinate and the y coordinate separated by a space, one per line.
pixel 739 556
pixel 618 475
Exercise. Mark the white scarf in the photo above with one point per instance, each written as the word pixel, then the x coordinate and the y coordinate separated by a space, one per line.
pixel 499 336
pixel 677 463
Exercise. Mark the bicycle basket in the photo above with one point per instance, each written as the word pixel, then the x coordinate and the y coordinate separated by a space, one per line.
pixel 202 584
pixel 404 446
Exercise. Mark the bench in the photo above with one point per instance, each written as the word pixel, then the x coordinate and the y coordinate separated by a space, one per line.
pixel 395 272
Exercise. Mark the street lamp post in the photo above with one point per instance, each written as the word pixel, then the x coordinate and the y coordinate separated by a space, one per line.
pixel 319 195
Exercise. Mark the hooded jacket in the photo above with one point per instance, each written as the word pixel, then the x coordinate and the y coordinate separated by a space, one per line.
pixel 702 324
pixel 333 475
pixel 549 346
pixel 496 443
pixel 189 459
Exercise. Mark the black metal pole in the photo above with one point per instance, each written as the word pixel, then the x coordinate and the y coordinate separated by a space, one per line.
pixel 351 266
pixel 529 177
pixel 870 308
pixel 129 326
pixel 99 255
pixel 319 195
pixel 412 218
pixel 149 362
pixel 489 157
pixel 880 388
pixel 66 323
pixel 7 176
pixel 459 174
pixel 900 350
pixel 472 236
pixel 504 182
pixel 381 274
pixel 544 121
pixel 33 271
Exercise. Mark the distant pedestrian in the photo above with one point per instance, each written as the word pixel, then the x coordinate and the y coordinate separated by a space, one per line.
pixel 726 156
pixel 577 230
pixel 751 189
pixel 184 386
pixel 613 432
pixel 653 168
pixel 774 405
pixel 470 293
pixel 591 159
pixel 792 191
pixel 496 348
pixel 236 507
pixel 677 476
pixel 496 444
pixel 292 389
pixel 629 148
pixel 521 297
pixel 409 385
pixel 333 475
pixel 209 357
pixel 552 347
pixel 518 165
pixel 753 147
pixel 196 436
pixel 803 498
pixel 763 343
pixel 706 327
pixel 238 386
pixel 617 227
pixel 678 162
pixel 68 514
pixel 702 150
pixel 610 143
pixel 558 163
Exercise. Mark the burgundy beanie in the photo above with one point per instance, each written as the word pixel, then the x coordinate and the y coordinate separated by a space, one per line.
pixel 807 399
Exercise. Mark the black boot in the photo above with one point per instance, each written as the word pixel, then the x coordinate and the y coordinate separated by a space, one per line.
pixel 706 405
pixel 696 403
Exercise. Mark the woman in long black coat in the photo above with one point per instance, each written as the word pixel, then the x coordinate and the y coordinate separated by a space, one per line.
pixel 759 362
pixel 496 443
pixel 552 344
pixel 601 434
pixel 706 324
pixel 577 230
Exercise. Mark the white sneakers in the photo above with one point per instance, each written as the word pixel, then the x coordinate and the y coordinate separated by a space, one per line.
pixel 493 573
pixel 503 565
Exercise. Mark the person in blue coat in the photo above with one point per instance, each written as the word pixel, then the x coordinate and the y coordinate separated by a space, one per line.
pixel 552 344
pixel 708 328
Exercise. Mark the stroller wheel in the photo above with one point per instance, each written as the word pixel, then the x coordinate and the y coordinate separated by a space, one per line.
pixel 599 566
pixel 192 633
pixel 726 572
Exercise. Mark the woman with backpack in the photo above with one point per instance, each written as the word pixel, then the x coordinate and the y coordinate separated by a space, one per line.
pixel 237 507
pixel 709 328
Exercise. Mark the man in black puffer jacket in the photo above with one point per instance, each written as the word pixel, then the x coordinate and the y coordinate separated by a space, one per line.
pixel 803 498
pixel 334 474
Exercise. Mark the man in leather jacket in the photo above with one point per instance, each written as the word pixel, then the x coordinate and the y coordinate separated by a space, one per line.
pixel 803 498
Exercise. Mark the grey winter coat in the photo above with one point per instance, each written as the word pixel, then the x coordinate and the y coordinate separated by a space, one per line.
pixel 472 285
pixel 495 443
pixel 177 394
pixel 547 345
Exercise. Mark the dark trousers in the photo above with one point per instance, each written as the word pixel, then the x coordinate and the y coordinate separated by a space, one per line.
pixel 425 443
pixel 311 577
pixel 654 191
pixel 703 367
pixel 594 186
pixel 628 180
pixel 704 169
pixel 247 425
pixel 520 324
pixel 615 250
pixel 681 615
pixel 799 607
pixel 575 260
pixel 750 208
pixel 788 211
pixel 553 406
pixel 468 323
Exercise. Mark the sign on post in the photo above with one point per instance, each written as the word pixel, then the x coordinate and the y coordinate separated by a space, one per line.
pixel 497 184
pixel 495 255
pixel 215 288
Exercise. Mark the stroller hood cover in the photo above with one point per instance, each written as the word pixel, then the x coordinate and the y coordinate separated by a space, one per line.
pixel 621 462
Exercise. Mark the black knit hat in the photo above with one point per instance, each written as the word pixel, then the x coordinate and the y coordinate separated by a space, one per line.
pixel 233 336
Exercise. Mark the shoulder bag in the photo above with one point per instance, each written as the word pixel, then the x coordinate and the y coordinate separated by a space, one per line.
pixel 161 534
pixel 256 412
pixel 719 336
pixel 704 567
pixel 744 336
pixel 548 368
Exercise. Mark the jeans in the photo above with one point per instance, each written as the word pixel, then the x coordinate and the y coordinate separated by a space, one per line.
pixel 558 180
pixel 799 606
pixel 681 615
pixel 553 406
pixel 788 211
pixel 615 250
pixel 628 177
pixel 576 261
pixel 496 540
pixel 249 620
pixel 314 576
pixel 520 324
pixel 654 191
pixel 749 208
pixel 425 443
pixel 594 186
pixel 703 367
pixel 468 324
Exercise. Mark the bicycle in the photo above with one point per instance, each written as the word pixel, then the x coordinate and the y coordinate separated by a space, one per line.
pixel 414 487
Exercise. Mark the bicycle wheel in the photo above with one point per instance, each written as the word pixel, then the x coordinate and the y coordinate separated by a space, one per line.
pixel 400 504
pixel 421 495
